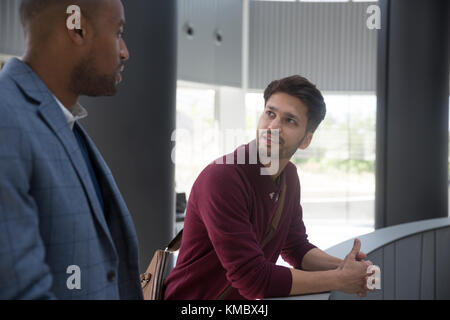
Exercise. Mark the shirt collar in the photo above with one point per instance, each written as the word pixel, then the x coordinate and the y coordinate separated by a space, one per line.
pixel 76 112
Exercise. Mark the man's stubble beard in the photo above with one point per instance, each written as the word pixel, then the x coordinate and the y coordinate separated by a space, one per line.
pixel 87 81
pixel 283 151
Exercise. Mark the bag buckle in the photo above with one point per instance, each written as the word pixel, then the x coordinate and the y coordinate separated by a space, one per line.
pixel 145 278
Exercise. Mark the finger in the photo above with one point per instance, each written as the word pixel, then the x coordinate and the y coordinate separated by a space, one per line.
pixel 363 291
pixel 369 272
pixel 360 256
pixel 368 263
pixel 356 248
pixel 365 283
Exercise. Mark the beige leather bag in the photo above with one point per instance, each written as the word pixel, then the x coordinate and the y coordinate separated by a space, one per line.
pixel 152 281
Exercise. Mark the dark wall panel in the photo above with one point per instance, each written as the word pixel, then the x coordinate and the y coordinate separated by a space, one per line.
pixel 388 272
pixel 427 285
pixel 407 268
pixel 133 129
pixel 443 264
pixel 412 122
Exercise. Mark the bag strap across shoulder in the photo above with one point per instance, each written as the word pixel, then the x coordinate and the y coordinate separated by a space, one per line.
pixel 175 244
pixel 269 233
pixel 276 217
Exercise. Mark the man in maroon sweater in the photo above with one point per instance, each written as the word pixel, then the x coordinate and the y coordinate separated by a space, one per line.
pixel 232 203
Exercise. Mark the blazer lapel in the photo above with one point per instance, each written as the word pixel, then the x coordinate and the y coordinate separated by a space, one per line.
pixel 55 119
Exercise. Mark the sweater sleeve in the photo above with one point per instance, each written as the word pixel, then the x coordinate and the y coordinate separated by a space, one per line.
pixel 223 204
pixel 297 244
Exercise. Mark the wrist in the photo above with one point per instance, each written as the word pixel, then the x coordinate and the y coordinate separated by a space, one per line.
pixel 338 263
pixel 337 280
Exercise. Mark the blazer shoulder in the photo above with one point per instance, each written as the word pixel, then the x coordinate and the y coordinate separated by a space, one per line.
pixel 8 87
pixel 13 102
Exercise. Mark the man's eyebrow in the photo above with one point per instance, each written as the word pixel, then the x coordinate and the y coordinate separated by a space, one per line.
pixel 288 114
pixel 291 115
pixel 122 23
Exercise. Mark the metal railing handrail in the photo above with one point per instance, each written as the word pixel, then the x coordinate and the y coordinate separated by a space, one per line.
pixel 376 240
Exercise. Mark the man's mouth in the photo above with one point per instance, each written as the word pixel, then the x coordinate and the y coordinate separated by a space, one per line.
pixel 118 78
pixel 119 75
pixel 271 139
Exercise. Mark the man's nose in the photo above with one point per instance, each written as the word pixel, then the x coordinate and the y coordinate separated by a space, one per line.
pixel 124 54
pixel 275 124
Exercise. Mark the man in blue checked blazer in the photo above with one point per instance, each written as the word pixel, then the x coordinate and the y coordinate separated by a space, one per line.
pixel 65 231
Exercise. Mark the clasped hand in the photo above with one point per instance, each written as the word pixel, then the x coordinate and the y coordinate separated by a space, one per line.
pixel 353 271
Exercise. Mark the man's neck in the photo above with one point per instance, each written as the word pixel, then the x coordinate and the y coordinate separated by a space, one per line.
pixel 282 164
pixel 54 76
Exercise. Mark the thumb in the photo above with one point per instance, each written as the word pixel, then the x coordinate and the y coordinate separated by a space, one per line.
pixel 356 248
pixel 361 256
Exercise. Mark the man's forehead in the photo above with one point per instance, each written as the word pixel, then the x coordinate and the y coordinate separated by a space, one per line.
pixel 112 11
pixel 281 98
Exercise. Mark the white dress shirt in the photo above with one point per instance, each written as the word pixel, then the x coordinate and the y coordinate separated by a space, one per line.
pixel 75 113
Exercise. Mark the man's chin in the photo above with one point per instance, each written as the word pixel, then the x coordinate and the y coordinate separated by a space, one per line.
pixel 97 86
pixel 110 93
pixel 107 90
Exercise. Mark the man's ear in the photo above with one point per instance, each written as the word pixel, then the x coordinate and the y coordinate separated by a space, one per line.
pixel 79 35
pixel 306 141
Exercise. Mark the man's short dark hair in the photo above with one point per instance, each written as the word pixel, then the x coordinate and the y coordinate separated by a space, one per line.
pixel 306 92
pixel 29 9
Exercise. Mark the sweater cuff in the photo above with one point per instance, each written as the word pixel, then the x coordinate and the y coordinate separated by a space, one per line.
pixel 305 249
pixel 280 282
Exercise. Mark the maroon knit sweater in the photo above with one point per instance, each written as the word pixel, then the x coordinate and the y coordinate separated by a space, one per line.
pixel 228 212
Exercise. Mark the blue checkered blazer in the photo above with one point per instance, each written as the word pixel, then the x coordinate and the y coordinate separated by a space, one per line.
pixel 50 216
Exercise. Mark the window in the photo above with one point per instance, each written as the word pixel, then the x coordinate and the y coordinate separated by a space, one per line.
pixel 196 135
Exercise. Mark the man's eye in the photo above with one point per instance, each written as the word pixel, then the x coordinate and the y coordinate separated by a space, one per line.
pixel 120 34
pixel 270 113
pixel 291 121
